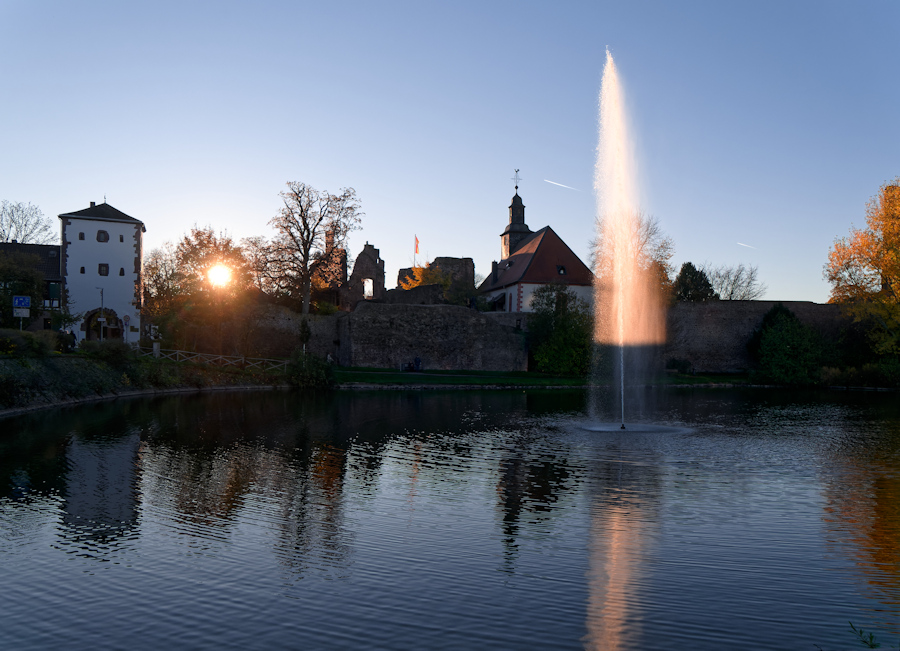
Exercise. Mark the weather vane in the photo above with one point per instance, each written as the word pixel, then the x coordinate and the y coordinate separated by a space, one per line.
pixel 516 178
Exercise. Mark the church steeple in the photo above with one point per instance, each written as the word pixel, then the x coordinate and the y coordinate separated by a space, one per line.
pixel 516 230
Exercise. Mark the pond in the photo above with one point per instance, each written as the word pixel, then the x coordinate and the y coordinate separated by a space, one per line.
pixel 451 519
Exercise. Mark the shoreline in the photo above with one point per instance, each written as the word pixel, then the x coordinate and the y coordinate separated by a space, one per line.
pixel 363 386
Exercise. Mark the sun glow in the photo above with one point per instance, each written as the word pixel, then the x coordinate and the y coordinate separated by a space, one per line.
pixel 219 275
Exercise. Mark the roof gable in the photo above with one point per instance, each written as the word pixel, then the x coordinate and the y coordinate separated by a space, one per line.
pixel 541 258
pixel 103 212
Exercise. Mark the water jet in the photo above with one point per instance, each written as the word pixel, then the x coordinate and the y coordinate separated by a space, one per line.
pixel 629 320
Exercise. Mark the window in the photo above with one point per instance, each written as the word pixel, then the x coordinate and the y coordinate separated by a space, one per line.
pixel 102 236
pixel 121 238
pixel 368 288
pixel 103 269
pixel 82 270
pixel 121 271
pixel 81 236
pixel 561 270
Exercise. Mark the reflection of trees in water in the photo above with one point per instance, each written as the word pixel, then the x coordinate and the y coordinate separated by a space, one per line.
pixel 531 481
pixel 862 507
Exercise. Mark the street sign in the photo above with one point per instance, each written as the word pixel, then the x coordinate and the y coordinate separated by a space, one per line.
pixel 21 301
pixel 126 319
pixel 22 312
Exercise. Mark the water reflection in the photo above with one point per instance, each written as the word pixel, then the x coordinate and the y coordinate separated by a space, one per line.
pixel 862 510
pixel 625 486
pixel 393 517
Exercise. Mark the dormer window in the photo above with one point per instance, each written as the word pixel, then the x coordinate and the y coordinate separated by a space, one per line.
pixel 102 236
pixel 561 270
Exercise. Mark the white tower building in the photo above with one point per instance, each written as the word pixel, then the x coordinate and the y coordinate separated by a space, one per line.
pixel 101 269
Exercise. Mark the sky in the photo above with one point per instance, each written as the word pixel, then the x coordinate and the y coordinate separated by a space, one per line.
pixel 761 129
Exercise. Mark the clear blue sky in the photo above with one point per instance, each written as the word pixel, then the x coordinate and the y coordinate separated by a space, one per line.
pixel 765 123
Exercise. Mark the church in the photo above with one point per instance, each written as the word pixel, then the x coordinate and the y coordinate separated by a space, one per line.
pixel 530 260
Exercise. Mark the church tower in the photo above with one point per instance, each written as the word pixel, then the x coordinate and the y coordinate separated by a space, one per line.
pixel 516 230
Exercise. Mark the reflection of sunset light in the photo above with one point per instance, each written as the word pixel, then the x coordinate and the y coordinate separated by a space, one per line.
pixel 219 275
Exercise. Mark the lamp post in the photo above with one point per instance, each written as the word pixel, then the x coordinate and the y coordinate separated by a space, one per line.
pixel 102 318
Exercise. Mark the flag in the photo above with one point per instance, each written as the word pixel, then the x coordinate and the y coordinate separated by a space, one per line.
pixel 417 245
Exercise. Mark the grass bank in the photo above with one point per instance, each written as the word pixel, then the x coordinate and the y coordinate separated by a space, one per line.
pixel 28 382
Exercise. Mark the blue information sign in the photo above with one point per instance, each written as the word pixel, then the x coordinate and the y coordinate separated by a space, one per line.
pixel 21 301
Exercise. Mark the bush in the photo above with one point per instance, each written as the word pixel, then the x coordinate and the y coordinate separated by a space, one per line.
pixel 560 332
pixel 683 366
pixel 116 353
pixel 787 351
pixel 19 343
pixel 307 372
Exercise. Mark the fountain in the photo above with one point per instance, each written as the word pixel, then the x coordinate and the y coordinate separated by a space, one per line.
pixel 629 315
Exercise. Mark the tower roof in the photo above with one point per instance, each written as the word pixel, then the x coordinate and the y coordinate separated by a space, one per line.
pixel 541 258
pixel 103 212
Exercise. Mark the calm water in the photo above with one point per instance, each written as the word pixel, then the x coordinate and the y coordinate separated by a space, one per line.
pixel 415 520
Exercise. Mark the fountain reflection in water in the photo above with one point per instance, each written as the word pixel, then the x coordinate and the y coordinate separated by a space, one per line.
pixel 629 321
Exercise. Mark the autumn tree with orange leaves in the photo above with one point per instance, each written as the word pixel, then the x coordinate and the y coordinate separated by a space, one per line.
pixel 864 270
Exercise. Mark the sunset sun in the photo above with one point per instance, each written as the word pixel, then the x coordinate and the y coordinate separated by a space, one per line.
pixel 219 275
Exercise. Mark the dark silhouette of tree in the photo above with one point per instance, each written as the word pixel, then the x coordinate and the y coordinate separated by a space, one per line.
pixel 312 226
pixel 25 224
pixel 786 350
pixel 692 285
pixel 19 276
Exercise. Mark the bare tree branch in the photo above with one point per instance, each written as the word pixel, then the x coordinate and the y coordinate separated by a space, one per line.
pixel 735 283
pixel 25 223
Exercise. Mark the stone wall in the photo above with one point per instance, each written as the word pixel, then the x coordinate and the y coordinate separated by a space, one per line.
pixel 713 336
pixel 442 336
pixel 278 332
pixel 421 295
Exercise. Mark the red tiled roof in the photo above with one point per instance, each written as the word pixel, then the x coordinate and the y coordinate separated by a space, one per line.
pixel 540 259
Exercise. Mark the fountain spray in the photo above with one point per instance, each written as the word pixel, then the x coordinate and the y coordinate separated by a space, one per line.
pixel 627 305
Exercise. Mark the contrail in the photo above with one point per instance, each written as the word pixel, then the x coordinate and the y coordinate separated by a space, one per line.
pixel 747 245
pixel 561 185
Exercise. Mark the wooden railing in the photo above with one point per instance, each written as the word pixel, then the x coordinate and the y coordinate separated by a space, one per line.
pixel 260 364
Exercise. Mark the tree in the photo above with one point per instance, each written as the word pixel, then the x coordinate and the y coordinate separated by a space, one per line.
pixel 25 223
pixel 191 308
pixel 311 226
pixel 786 350
pixel 426 275
pixel 651 247
pixel 864 270
pixel 737 283
pixel 19 276
pixel 559 331
pixel 692 285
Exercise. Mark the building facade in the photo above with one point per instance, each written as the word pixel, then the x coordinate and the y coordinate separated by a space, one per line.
pixel 101 255
pixel 530 260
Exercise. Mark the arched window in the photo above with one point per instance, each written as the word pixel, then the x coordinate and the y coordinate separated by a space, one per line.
pixel 102 236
